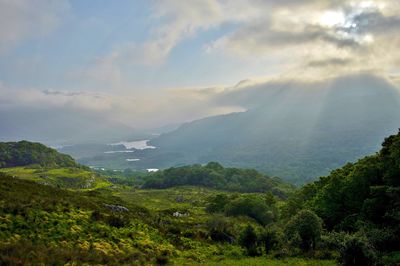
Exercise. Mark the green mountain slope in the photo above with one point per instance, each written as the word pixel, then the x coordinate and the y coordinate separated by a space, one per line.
pixel 362 198
pixel 26 153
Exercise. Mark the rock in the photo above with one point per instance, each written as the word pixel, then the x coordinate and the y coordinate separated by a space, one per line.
pixel 116 208
pixel 178 214
pixel 179 199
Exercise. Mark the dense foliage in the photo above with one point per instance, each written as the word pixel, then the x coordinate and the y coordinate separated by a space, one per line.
pixel 26 153
pixel 254 206
pixel 307 226
pixel 213 175
pixel 361 198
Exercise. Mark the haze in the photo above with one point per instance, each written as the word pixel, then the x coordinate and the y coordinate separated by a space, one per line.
pixel 75 70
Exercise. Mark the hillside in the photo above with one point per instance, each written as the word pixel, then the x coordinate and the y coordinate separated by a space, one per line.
pixel 362 198
pixel 24 153
pixel 78 228
pixel 36 162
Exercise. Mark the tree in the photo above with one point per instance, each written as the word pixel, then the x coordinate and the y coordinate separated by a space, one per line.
pixel 248 239
pixel 251 206
pixel 217 203
pixel 390 156
pixel 308 226
pixel 215 166
pixel 270 238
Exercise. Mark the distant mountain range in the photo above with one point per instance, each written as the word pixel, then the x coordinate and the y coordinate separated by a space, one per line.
pixel 295 130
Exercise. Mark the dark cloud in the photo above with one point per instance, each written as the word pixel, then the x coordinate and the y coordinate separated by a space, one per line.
pixel 371 22
pixel 63 93
pixel 262 35
pixel 330 62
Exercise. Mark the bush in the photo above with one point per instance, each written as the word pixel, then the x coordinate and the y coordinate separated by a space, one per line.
pixel 270 237
pixel 357 251
pixel 306 227
pixel 220 229
pixel 217 203
pixel 249 240
pixel 251 206
pixel 117 221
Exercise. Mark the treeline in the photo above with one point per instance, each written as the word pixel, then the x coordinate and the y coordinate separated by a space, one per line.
pixel 214 175
pixel 359 204
pixel 23 153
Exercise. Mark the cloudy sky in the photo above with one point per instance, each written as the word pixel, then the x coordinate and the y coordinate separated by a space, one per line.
pixel 148 63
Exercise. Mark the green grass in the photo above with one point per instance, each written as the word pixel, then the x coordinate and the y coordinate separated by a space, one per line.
pixel 261 261
pixel 162 199
pixel 70 178
pixel 74 225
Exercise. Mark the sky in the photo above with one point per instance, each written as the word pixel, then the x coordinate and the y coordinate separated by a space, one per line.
pixel 144 64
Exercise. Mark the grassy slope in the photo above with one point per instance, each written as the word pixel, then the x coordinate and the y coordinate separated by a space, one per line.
pixel 75 226
pixel 71 178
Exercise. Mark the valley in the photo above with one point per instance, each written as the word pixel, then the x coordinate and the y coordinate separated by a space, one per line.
pixel 195 215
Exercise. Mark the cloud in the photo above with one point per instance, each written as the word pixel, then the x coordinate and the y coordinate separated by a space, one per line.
pixel 23 19
pixel 85 113
pixel 340 62
pixel 138 111
pixel 282 32
pixel 104 70
pixel 174 21
pixel 329 39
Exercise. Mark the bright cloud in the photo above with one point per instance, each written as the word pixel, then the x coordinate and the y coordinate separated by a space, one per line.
pixel 22 19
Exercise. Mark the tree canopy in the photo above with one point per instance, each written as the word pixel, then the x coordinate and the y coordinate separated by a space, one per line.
pixel 27 153
pixel 214 175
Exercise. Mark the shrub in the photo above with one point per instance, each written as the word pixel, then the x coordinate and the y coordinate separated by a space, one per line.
pixel 220 229
pixel 217 203
pixel 249 240
pixel 270 237
pixel 251 206
pixel 116 221
pixel 306 226
pixel 357 251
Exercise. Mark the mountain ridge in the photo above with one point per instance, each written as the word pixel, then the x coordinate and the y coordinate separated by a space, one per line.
pixel 343 120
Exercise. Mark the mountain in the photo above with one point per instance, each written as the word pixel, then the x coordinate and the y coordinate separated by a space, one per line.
pixel 298 131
